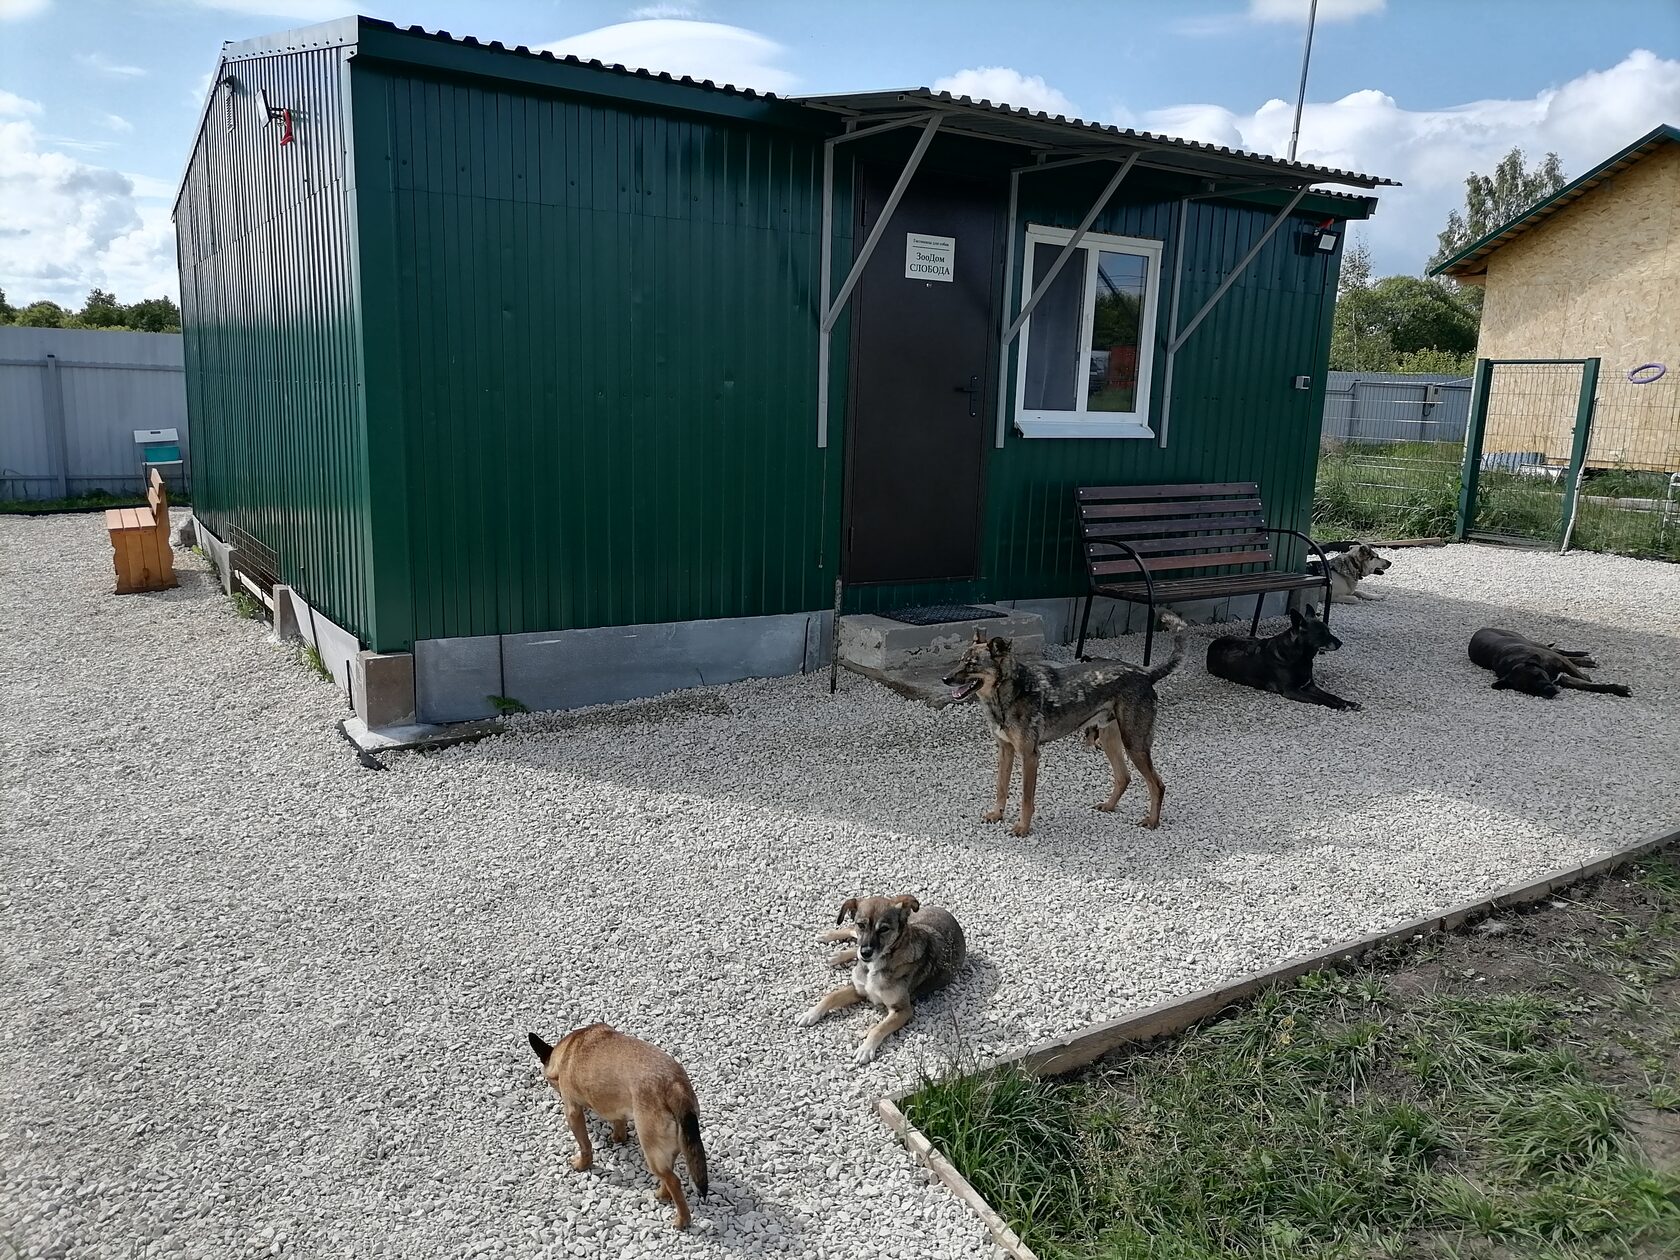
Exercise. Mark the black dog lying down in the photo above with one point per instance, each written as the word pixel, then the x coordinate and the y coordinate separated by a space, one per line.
pixel 1538 669
pixel 1282 663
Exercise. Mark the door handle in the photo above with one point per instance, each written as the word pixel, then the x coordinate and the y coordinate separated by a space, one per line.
pixel 972 389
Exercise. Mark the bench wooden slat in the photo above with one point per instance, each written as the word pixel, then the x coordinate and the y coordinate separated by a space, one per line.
pixel 1168 589
pixel 1248 522
pixel 1228 489
pixel 1166 564
pixel 1122 511
pixel 1098 550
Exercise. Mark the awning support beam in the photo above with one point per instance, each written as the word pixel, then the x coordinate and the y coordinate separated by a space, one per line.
pixel 829 311
pixel 1043 285
pixel 1178 338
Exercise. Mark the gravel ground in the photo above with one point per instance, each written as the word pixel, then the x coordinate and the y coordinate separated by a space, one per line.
pixel 256 1000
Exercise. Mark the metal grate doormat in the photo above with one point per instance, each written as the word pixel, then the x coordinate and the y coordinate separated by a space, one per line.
pixel 940 614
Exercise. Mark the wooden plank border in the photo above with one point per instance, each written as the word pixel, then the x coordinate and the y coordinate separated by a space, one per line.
pixel 1074 1050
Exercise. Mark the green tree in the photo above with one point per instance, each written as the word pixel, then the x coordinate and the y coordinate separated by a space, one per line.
pixel 1491 200
pixel 44 315
pixel 101 310
pixel 1436 362
pixel 153 315
pixel 1358 342
pixel 1423 315
pixel 7 314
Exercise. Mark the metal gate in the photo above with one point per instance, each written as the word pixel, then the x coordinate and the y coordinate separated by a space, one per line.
pixel 1525 450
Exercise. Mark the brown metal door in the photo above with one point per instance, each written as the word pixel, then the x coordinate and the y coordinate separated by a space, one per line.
pixel 922 379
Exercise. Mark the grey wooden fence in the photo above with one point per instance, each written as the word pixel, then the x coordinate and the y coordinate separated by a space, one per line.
pixel 70 401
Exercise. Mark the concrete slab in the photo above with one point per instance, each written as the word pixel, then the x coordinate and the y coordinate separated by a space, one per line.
pixel 915 682
pixel 888 646
pixel 337 646
pixel 569 669
pixel 455 678
pixel 417 735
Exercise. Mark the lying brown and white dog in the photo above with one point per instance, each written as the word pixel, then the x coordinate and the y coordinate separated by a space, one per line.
pixel 1348 568
pixel 902 952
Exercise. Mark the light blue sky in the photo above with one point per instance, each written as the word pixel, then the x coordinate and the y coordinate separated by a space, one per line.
pixel 98 99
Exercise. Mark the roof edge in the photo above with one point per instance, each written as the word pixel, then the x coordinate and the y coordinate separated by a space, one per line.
pixel 1663 132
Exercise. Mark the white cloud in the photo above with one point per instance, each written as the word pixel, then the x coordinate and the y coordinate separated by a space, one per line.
pixel 1328 10
pixel 102 64
pixel 116 122
pixel 649 12
pixel 1431 151
pixel 14 106
pixel 15 10
pixel 702 50
pixel 1004 86
pixel 70 226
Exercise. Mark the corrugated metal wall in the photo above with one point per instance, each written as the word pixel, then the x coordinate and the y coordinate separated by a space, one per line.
pixel 269 310
pixel 109 384
pixel 1235 417
pixel 601 360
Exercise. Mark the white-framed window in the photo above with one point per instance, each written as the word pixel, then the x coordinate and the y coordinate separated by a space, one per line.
pixel 1086 353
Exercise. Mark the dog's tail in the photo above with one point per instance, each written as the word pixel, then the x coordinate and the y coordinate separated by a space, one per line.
pixel 1178 626
pixel 541 1047
pixel 695 1152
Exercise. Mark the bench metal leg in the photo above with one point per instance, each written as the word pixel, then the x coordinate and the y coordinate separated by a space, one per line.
pixel 1259 603
pixel 1084 624
pixel 1326 617
pixel 1149 634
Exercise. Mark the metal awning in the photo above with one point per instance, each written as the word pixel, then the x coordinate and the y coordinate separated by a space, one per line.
pixel 1044 133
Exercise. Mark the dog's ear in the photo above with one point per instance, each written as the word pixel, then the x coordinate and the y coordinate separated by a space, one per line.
pixel 907 902
pixel 1295 617
pixel 999 648
pixel 848 908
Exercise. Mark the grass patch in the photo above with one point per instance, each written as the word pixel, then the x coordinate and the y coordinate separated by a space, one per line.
pixel 311 657
pixel 1476 1099
pixel 92 501
pixel 248 606
pixel 507 706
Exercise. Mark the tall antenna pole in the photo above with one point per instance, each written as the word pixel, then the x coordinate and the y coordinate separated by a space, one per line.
pixel 1301 97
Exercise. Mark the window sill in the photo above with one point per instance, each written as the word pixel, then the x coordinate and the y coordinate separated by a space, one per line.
pixel 1042 427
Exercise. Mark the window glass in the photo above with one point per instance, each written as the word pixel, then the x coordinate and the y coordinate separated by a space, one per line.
pixel 1112 371
pixel 1053 355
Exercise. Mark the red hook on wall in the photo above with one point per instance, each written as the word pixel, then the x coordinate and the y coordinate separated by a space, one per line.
pixel 285 126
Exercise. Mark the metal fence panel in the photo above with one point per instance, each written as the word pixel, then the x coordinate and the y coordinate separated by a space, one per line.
pixel 1392 407
pixel 70 400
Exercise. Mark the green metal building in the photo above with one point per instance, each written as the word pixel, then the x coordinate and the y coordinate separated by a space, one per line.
pixel 562 381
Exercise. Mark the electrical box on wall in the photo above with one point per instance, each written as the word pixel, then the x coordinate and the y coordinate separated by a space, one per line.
pixel 1303 382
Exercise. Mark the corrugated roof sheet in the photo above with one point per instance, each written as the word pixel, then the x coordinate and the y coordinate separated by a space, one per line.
pixel 1470 260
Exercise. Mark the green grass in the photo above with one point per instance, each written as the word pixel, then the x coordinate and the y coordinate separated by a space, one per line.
pixel 311 657
pixel 248 606
pixel 1338 1118
pixel 1410 490
pixel 92 501
pixel 507 705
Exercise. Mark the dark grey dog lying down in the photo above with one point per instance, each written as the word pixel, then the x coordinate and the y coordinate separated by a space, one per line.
pixel 1537 669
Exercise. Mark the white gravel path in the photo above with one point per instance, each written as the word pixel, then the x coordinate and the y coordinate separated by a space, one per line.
pixel 256 1000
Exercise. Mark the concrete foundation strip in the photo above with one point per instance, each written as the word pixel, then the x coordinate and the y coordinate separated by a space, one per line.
pixel 1074 1050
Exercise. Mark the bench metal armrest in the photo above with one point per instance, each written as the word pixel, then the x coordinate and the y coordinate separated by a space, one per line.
pixel 1323 560
pixel 1148 582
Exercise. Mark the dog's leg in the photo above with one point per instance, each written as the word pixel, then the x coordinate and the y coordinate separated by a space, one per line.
pixel 1583 657
pixel 1138 749
pixel 1609 689
pixel 895 1020
pixel 1005 767
pixel 621 1129
pixel 1575 667
pixel 1312 693
pixel 580 1130
pixel 845 958
pixel 846 933
pixel 845 995
pixel 660 1146
pixel 1359 594
pixel 1110 739
pixel 1029 789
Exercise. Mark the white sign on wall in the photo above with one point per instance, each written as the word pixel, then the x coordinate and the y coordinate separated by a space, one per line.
pixel 930 257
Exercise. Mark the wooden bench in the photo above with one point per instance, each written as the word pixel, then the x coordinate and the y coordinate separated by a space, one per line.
pixel 140 542
pixel 1144 543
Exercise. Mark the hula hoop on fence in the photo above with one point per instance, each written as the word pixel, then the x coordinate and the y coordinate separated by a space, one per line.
pixel 1647 373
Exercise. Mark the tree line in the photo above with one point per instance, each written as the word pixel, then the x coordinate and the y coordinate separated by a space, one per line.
pixel 1419 324
pixel 101 310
